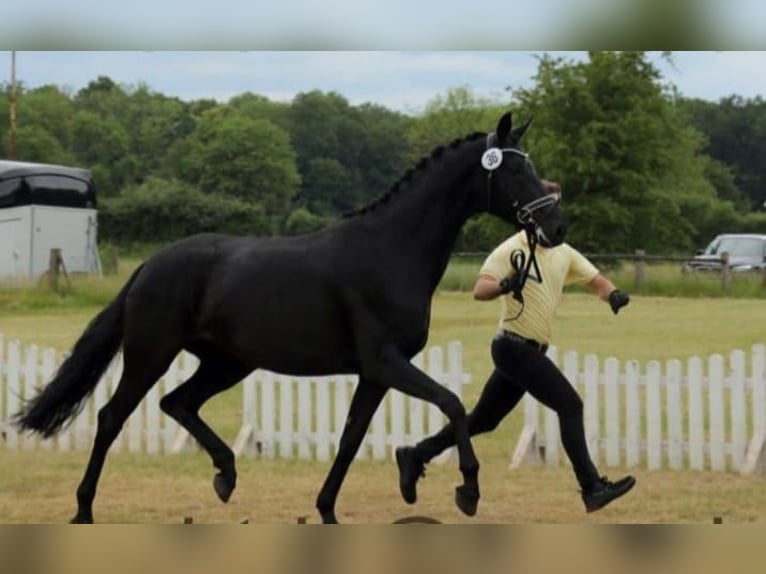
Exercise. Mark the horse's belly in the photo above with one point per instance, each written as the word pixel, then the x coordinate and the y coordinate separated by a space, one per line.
pixel 303 343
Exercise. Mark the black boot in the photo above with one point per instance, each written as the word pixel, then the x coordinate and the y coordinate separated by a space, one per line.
pixel 603 491
pixel 411 468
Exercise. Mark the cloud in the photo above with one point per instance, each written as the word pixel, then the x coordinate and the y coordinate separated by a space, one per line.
pixel 402 80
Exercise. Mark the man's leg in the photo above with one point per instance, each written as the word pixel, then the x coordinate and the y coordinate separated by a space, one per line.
pixel 498 397
pixel 543 380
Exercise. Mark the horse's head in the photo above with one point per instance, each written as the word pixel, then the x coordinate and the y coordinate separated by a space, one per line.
pixel 516 193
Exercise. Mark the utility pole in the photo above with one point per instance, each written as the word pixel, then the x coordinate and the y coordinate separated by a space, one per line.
pixel 12 110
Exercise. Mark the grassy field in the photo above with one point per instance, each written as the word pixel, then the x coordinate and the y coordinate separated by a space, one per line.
pixel 39 487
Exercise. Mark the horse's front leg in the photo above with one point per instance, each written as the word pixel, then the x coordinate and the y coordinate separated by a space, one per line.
pixel 394 370
pixel 365 402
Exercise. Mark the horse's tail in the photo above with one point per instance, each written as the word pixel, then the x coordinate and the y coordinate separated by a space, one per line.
pixel 64 397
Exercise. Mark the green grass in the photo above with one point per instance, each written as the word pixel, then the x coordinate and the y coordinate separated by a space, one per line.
pixel 660 279
pixel 141 488
pixel 80 292
pixel 87 293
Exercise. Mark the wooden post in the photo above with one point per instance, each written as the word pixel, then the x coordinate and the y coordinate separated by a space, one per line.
pixel 55 268
pixel 113 265
pixel 725 272
pixel 640 253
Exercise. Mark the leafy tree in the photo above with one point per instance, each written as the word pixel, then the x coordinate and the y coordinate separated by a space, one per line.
pixel 383 148
pixel 251 159
pixel 629 165
pixel 347 155
pixel 302 221
pixel 735 128
pixel 330 187
pixel 49 108
pixel 154 122
pixel 36 144
pixel 102 96
pixel 257 106
pixel 723 179
pixel 447 117
pixel 167 210
pixel 102 144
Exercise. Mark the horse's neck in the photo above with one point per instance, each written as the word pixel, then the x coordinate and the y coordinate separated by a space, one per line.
pixel 426 214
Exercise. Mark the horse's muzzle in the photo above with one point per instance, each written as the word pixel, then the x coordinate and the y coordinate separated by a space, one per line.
pixel 551 237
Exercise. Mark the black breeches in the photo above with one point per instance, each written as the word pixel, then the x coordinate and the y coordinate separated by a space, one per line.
pixel 537 375
pixel 520 368
pixel 498 398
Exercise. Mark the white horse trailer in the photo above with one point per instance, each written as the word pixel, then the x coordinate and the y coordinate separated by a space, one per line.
pixel 45 207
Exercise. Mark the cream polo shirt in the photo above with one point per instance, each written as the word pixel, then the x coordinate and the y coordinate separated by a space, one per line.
pixel 559 266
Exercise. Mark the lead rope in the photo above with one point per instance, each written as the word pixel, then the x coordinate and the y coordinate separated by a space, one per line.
pixel 521 267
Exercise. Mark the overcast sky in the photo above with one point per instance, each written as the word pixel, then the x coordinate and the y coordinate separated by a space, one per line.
pixel 399 80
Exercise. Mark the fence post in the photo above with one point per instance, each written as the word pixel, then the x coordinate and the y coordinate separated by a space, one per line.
pixel 717 434
pixel 755 458
pixel 55 268
pixel 696 415
pixel 591 406
pixel 113 263
pixel 653 415
pixel 640 254
pixel 738 405
pixel 725 272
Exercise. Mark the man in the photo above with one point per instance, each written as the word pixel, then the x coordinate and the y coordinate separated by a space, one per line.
pixel 530 282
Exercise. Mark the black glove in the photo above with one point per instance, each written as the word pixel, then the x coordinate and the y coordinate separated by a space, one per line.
pixel 617 300
pixel 506 285
pixel 513 283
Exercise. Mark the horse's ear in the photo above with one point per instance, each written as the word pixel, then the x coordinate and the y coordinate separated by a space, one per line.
pixel 519 132
pixel 504 127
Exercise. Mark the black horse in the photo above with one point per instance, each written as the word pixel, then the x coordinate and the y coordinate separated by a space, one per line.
pixel 354 297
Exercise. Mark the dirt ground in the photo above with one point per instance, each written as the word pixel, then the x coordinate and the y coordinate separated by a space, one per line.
pixel 40 487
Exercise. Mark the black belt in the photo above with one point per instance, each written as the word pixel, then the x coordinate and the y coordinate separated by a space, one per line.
pixel 543 348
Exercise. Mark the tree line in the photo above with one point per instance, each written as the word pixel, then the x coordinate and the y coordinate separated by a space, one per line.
pixel 641 166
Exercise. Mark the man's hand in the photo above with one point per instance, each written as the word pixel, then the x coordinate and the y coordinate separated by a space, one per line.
pixel 506 285
pixel 618 300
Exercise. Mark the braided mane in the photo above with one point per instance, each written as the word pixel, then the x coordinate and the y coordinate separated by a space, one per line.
pixel 435 154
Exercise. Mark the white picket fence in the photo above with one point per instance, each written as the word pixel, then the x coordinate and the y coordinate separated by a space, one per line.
pixel 283 416
pixel 706 414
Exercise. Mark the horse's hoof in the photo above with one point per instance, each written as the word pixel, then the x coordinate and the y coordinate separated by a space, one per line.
pixel 467 499
pixel 223 486
pixel 80 519
pixel 329 518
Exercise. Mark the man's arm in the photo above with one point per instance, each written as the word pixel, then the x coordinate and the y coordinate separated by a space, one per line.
pixel 601 286
pixel 605 290
pixel 487 288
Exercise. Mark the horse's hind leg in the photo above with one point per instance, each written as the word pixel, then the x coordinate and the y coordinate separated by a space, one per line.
pixel 366 400
pixel 393 369
pixel 142 368
pixel 215 374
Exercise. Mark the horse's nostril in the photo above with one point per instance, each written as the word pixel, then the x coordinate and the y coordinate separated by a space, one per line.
pixel 561 232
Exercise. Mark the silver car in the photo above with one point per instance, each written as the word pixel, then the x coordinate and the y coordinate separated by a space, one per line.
pixel 747 252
